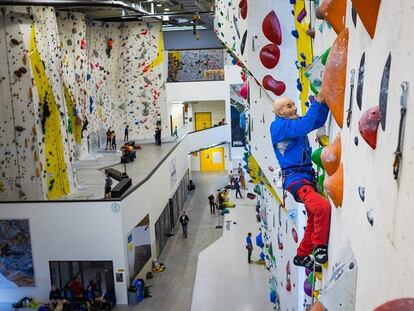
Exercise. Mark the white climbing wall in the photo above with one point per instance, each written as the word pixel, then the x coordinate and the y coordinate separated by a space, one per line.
pixel 88 83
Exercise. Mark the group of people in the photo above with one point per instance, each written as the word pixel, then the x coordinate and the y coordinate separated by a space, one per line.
pixel 128 153
pixel 62 300
pixel 110 139
pixel 220 202
pixel 239 182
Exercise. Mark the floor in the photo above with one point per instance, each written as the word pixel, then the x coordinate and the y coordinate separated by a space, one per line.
pixel 209 270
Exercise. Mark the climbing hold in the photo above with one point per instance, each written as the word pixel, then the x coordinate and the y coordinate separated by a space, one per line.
pixel 15 41
pixel 243 9
pixel 402 304
pixel 334 12
pixel 368 13
pixel 271 28
pixel 307 288
pixel 295 33
pixel 299 87
pixel 370 218
pixel 334 77
pixel 311 32
pixel 318 14
pixel 361 192
pixel 295 235
pixel 354 16
pixel 269 55
pixel 316 157
pixel 277 87
pixel 383 98
pixel 334 185
pixel 356 141
pixel 19 128
pixel 18 73
pixel 301 15
pixel 236 27
pixel 360 85
pixel 368 125
pixel 244 90
pixel 271 168
pixel 22 70
pixel 331 156
pixel 243 43
pixel 317 307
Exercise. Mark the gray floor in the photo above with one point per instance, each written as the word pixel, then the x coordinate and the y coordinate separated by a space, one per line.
pixel 173 288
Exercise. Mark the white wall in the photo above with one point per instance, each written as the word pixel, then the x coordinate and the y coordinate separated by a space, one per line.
pixel 202 139
pixel 195 91
pixel 68 231
pixel 217 109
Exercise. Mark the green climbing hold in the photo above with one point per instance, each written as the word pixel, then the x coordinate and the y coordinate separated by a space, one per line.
pixel 316 157
pixel 257 190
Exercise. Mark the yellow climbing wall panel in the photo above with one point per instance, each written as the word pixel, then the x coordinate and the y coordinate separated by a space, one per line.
pixel 304 47
pixel 74 123
pixel 55 166
pixel 160 53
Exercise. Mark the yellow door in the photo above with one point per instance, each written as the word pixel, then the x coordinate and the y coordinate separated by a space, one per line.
pixel 212 160
pixel 202 120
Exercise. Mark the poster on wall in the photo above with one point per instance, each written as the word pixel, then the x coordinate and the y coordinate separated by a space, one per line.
pixel 139 247
pixel 173 174
pixel 238 116
pixel 16 262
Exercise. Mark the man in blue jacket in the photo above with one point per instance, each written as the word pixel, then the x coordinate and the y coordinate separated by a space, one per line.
pixel 293 152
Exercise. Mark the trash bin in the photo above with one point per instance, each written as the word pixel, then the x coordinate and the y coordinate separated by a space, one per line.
pixel 132 295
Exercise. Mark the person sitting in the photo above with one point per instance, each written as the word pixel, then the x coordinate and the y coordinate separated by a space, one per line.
pixel 94 287
pixel 109 299
pixel 54 296
pixel 128 153
pixel 75 287
pixel 89 296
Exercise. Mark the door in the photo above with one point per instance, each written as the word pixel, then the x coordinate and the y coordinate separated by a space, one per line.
pixel 212 160
pixel 202 120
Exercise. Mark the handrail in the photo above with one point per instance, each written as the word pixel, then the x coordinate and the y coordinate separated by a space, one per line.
pixel 152 172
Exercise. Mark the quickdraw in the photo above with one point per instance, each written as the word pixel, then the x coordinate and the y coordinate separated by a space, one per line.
pixel 351 98
pixel 398 153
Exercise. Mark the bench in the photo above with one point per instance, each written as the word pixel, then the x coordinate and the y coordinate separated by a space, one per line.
pixel 117 175
pixel 121 187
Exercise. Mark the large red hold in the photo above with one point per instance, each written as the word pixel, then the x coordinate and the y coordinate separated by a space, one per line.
pixel 402 304
pixel 368 125
pixel 271 28
pixel 277 87
pixel 243 9
pixel 269 55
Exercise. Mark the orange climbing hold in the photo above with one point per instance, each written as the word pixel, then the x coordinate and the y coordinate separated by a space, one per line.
pixel 368 13
pixel 368 125
pixel 334 11
pixel 334 185
pixel 334 77
pixel 331 156
pixel 317 307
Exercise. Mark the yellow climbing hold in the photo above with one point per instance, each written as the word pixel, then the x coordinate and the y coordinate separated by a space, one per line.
pixel 160 53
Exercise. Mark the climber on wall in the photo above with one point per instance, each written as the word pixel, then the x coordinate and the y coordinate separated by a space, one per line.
pixel 293 152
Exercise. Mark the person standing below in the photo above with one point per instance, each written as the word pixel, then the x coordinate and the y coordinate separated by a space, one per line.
pixel 175 131
pixel 242 180
pixel 113 143
pixel 249 247
pixel 108 184
pixel 158 119
pixel 231 179
pixel 108 138
pixel 237 187
pixel 212 203
pixel 293 152
pixel 126 133
pixel 184 221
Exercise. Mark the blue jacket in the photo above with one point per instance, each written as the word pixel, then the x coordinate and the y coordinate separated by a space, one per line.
pixel 291 145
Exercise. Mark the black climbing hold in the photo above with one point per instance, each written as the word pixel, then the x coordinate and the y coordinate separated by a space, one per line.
pixel 361 192
pixel 236 26
pixel 370 217
pixel 360 85
pixel 354 16
pixel 243 43
pixel 383 98
pixel 356 141
pixel 351 266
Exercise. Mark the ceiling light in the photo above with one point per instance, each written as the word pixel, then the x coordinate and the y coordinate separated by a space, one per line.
pixel 166 9
pixel 159 4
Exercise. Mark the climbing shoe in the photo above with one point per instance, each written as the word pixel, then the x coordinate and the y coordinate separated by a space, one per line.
pixel 321 254
pixel 303 261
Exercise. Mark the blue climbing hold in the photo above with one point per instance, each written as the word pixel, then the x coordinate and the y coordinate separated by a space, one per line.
pixel 292 1
pixel 303 63
pixel 303 56
pixel 299 87
pixel 90 104
pixel 295 33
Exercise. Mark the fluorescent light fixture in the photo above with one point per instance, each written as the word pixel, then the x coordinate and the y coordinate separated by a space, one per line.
pixel 166 9
pixel 165 18
pixel 159 4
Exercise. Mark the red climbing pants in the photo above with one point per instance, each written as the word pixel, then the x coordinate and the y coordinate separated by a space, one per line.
pixel 318 210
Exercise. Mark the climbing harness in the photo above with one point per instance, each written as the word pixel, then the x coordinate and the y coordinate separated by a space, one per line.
pixel 351 98
pixel 398 153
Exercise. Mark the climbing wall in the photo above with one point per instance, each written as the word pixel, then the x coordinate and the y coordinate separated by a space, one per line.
pixel 375 214
pixel 21 158
pixel 66 80
pixel 143 78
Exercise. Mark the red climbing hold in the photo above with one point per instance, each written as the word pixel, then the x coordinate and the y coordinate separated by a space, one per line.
pixel 271 28
pixel 277 87
pixel 368 125
pixel 269 55
pixel 244 90
pixel 243 9
pixel 295 235
pixel 402 304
